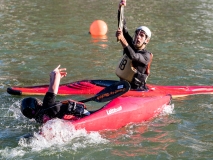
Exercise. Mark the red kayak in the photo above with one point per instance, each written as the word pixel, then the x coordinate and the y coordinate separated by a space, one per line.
pixel 94 86
pixel 120 112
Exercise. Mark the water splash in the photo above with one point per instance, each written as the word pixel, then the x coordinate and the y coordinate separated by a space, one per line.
pixel 58 132
pixel 168 109
pixel 55 134
pixel 14 110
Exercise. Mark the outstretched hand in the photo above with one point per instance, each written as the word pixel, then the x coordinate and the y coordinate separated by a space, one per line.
pixel 55 77
pixel 58 71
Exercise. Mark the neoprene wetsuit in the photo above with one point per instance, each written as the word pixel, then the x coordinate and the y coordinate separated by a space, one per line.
pixel 56 109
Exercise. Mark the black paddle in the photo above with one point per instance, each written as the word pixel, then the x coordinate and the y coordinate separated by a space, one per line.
pixel 115 90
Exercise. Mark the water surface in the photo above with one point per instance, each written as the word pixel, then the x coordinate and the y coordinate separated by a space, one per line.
pixel 36 36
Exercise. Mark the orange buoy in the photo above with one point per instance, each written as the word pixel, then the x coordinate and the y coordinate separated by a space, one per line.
pixel 98 28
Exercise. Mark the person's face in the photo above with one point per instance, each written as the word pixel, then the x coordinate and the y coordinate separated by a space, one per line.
pixel 140 40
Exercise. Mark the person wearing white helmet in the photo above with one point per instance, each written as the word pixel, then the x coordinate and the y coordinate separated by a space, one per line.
pixel 135 52
pixel 139 33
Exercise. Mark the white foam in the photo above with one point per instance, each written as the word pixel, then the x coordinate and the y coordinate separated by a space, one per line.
pixel 56 133
pixel 14 110
pixel 59 132
pixel 168 109
pixel 8 153
pixel 56 136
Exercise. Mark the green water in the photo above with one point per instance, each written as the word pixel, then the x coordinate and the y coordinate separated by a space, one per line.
pixel 36 36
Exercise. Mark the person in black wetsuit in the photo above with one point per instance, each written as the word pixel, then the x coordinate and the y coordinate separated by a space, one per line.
pixel 134 48
pixel 50 108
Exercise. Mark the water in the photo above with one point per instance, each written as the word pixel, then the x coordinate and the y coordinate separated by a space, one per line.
pixel 36 36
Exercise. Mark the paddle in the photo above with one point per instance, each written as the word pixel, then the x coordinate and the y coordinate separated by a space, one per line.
pixel 121 17
pixel 120 25
pixel 115 90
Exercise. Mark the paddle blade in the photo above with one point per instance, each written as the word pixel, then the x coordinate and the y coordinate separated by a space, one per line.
pixel 121 18
pixel 113 91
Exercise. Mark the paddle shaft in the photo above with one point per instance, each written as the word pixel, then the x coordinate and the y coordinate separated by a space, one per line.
pixel 113 91
pixel 120 25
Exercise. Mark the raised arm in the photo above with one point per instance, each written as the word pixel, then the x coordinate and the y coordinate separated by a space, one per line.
pixel 55 78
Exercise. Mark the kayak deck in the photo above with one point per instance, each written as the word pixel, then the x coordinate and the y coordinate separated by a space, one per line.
pixel 73 88
pixel 91 87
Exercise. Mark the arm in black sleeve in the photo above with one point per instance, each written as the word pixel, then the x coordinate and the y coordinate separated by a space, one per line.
pixel 51 107
pixel 142 58
pixel 49 99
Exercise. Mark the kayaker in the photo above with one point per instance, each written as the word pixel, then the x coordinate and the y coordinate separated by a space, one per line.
pixel 135 64
pixel 50 108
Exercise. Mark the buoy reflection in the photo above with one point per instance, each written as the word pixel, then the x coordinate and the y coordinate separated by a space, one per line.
pixel 100 40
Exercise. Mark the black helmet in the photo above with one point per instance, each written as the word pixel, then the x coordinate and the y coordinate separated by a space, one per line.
pixel 30 107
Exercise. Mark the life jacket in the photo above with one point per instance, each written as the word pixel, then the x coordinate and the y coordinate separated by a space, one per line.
pixel 126 71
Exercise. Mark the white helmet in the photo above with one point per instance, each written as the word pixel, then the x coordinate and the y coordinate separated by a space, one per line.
pixel 146 30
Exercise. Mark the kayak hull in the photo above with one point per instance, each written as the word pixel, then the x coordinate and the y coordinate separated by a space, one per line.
pixel 91 87
pixel 122 111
